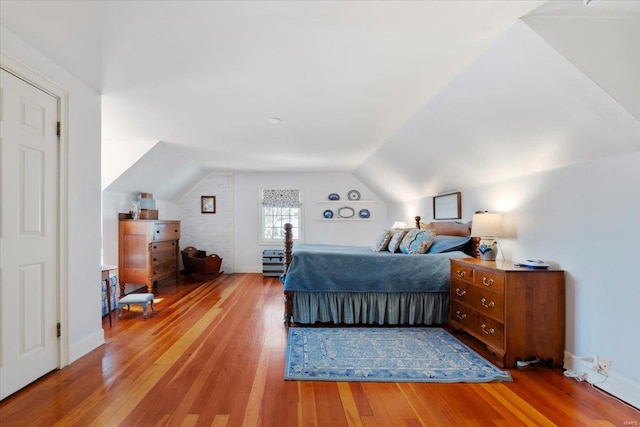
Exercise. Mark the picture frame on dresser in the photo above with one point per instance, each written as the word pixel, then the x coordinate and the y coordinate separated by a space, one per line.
pixel 208 204
pixel 448 206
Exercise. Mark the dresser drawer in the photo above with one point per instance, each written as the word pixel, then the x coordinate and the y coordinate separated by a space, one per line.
pixel 479 299
pixel 158 258
pixel 164 246
pixel 162 270
pixel 489 331
pixel 482 327
pixel 486 302
pixel 462 314
pixel 460 290
pixel 489 279
pixel 462 272
pixel 166 231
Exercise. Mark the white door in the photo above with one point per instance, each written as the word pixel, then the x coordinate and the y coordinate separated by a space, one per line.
pixel 28 233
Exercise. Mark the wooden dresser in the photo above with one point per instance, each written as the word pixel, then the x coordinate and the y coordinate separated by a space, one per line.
pixel 515 312
pixel 148 252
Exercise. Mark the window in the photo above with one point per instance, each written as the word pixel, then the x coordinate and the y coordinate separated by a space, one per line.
pixel 280 206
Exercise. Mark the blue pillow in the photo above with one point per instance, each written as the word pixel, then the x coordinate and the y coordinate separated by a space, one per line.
pixel 447 244
pixel 417 241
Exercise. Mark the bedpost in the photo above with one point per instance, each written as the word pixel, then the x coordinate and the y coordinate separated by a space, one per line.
pixel 288 244
pixel 288 295
pixel 417 218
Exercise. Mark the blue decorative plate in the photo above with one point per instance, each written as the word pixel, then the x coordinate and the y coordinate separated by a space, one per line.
pixel 353 195
pixel 328 213
pixel 334 196
pixel 364 213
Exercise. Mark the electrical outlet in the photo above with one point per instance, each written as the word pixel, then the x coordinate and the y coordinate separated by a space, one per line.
pixel 604 366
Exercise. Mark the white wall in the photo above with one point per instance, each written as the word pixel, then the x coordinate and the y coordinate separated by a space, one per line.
pixel 584 218
pixel 83 204
pixel 212 233
pixel 315 187
pixel 233 231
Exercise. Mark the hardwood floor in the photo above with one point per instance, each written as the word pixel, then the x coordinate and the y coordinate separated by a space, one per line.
pixel 212 354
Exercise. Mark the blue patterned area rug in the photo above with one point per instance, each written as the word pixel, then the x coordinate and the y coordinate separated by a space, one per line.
pixel 384 355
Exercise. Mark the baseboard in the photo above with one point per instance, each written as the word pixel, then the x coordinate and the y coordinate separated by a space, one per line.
pixel 82 347
pixel 248 269
pixel 615 384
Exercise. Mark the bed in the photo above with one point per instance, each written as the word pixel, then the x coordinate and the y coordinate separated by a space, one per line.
pixel 361 285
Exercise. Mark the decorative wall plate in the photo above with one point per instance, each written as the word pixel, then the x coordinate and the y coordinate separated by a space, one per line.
pixel 353 195
pixel 328 214
pixel 364 213
pixel 346 212
pixel 333 196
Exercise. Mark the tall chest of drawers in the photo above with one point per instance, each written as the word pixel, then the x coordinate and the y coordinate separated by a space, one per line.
pixel 515 312
pixel 148 252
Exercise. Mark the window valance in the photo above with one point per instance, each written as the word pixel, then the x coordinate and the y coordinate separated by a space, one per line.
pixel 281 198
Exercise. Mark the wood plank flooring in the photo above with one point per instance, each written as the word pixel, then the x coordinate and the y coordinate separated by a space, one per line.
pixel 212 354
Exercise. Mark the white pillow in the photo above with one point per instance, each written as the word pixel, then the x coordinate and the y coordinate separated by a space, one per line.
pixel 398 234
pixel 382 241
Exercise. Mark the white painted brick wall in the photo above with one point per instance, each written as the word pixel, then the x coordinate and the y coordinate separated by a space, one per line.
pixel 212 233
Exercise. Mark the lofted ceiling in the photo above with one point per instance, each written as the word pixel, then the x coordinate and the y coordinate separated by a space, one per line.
pixel 403 94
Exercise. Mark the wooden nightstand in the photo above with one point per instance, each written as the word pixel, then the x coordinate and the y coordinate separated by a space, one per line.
pixel 516 312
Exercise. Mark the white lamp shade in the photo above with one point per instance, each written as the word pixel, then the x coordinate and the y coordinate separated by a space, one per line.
pixel 486 225
pixel 399 224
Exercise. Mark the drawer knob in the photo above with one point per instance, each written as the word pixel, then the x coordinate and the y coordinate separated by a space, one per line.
pixel 489 331
pixel 460 315
pixel 460 273
pixel 487 282
pixel 155 259
pixel 158 231
pixel 484 303
pixel 460 293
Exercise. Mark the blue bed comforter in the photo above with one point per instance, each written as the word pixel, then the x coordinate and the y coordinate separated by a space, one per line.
pixel 337 268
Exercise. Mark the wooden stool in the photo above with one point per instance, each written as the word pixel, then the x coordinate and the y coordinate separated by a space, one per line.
pixel 140 299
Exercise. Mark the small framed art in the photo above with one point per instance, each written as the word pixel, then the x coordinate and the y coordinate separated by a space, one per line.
pixel 208 204
pixel 447 206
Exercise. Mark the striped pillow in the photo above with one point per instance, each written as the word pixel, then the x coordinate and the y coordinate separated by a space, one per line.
pixel 382 241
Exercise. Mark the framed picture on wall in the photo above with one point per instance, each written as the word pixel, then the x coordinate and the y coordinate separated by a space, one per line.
pixel 448 206
pixel 208 204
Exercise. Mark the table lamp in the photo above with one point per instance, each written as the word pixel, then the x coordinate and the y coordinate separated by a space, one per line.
pixel 487 226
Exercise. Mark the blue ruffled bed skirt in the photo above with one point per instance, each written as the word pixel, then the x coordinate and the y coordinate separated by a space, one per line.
pixel 371 308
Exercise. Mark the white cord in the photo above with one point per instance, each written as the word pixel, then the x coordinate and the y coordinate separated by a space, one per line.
pixel 585 358
pixel 575 375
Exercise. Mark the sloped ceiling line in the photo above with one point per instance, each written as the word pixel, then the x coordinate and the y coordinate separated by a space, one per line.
pixel 520 108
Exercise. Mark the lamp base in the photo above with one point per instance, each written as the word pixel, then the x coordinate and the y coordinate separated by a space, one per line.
pixel 488 248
